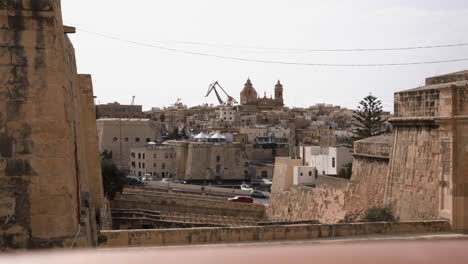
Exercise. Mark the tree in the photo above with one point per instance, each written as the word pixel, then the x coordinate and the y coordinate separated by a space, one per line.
pixel 162 117
pixel 369 118
pixel 113 179
pixel 106 155
pixel 346 171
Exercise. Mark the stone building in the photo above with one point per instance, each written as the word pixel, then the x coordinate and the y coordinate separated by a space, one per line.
pixel 250 101
pixel 156 160
pixel 421 170
pixel 428 172
pixel 207 161
pixel 326 160
pixel 120 134
pixel 50 183
pixel 116 110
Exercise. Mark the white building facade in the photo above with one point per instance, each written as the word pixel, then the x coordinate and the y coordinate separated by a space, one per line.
pixel 327 160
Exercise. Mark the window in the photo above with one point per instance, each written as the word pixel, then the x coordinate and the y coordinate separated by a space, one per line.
pixel 301 174
pixel 132 154
pixel 143 165
pixel 310 173
pixel 133 164
pixel 333 162
pixel 114 139
pixel 218 158
pixel 264 174
pixel 166 155
pixel 126 139
pixel 163 166
pixel 154 165
pixel 139 155
pixel 218 168
pixel 143 155
pixel 137 139
pixel 139 165
pixel 148 140
pixel 170 155
pixel 154 155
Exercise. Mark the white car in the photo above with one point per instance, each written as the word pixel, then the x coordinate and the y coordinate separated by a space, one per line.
pixel 246 187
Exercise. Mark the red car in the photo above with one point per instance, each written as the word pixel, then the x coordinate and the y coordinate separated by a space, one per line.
pixel 241 199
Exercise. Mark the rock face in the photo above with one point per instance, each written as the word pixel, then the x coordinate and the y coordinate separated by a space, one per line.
pixel 48 142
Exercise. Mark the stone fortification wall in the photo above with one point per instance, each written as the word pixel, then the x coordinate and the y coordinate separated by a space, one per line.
pixel 414 173
pixel 370 170
pixel 305 203
pixel 213 161
pixel 448 78
pixel 45 170
pixel 207 235
pixel 333 182
pixel 334 197
pixel 187 204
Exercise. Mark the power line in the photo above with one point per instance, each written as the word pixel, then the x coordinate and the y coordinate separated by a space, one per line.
pixel 272 61
pixel 304 50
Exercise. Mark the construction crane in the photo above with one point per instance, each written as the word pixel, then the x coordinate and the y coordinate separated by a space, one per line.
pixel 178 101
pixel 133 100
pixel 230 100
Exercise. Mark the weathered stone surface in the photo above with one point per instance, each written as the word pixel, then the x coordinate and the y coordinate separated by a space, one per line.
pixel 46 158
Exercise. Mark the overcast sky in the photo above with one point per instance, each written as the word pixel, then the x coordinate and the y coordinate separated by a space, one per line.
pixel 157 77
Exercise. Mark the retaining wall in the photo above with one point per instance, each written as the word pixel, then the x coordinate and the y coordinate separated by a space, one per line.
pixel 193 236
pixel 166 203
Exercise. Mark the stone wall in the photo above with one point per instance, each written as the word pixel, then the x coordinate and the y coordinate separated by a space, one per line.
pixel 305 203
pixel 214 235
pixel 369 176
pixel 413 177
pixel 45 168
pixel 283 175
pixel 187 204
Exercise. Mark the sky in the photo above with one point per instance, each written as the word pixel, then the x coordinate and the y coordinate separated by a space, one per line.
pixel 158 73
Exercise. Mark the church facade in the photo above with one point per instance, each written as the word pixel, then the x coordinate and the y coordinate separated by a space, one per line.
pixel 250 101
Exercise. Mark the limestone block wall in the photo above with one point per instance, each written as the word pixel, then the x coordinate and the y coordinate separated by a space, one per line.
pixel 216 235
pixel 185 204
pixel 417 103
pixel 414 173
pixel 45 200
pixel 333 197
pixel 304 203
pixel 369 176
pixel 367 184
pixel 453 77
pixel 203 164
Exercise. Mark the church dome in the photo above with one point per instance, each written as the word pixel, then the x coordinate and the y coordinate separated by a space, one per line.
pixel 248 94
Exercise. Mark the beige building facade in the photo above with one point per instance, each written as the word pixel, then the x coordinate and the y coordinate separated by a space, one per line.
pixel 119 135
pixel 207 161
pixel 116 110
pixel 155 160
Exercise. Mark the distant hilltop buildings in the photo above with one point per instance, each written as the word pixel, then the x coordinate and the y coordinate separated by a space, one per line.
pixel 250 101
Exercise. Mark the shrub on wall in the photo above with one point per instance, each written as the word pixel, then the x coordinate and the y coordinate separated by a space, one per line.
pixel 374 214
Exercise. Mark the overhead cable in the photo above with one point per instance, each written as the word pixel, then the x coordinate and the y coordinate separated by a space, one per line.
pixel 273 61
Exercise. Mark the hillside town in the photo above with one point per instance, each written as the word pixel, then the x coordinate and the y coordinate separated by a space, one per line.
pixel 253 176
pixel 224 143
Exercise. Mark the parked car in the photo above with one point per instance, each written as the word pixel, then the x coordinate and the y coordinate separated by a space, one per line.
pixel 266 182
pixel 246 187
pixel 257 194
pixel 241 199
pixel 134 181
